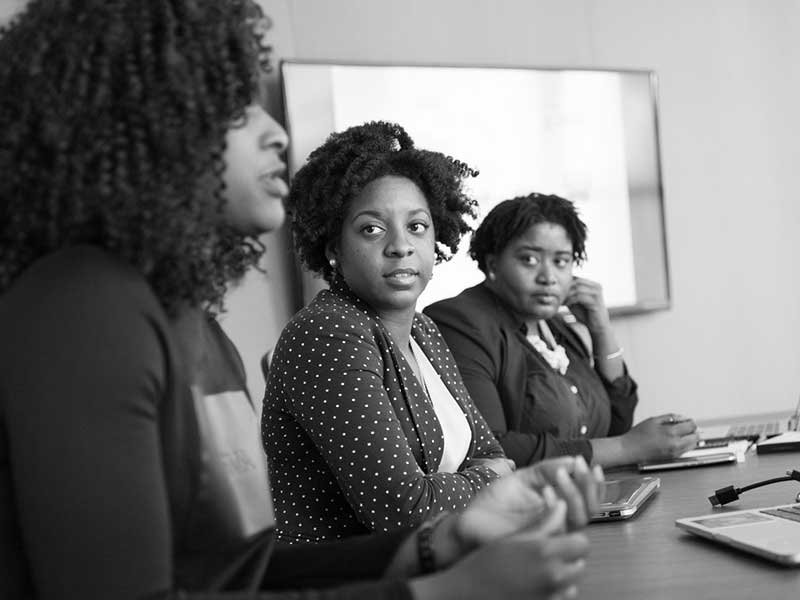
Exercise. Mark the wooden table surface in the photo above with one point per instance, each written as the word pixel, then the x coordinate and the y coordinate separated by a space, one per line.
pixel 647 557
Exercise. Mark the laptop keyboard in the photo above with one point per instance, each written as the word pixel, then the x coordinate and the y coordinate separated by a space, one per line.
pixel 791 512
pixel 755 429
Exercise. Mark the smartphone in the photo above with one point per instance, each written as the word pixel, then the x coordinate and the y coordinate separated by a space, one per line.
pixel 622 498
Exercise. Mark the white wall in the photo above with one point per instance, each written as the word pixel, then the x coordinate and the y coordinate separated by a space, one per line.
pixel 730 124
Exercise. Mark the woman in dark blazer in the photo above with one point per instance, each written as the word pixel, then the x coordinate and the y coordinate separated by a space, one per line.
pixel 544 390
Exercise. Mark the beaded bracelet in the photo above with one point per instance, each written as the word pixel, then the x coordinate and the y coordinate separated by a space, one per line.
pixel 427 559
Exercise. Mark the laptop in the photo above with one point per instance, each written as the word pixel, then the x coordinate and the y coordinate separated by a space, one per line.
pixel 772 533
pixel 759 430
pixel 622 498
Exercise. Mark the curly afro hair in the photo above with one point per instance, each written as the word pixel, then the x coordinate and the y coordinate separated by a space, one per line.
pixel 338 170
pixel 511 218
pixel 113 119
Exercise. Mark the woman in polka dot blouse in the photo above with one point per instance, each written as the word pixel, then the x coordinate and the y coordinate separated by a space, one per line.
pixel 367 424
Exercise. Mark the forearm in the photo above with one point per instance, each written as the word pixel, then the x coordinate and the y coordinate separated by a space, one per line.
pixel 530 448
pixel 612 452
pixel 608 359
pixel 446 543
pixel 357 558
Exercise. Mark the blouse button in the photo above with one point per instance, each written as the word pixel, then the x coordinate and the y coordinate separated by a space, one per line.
pixel 573 389
pixel 584 429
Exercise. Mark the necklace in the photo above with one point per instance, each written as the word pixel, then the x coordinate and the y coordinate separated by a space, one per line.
pixel 545 344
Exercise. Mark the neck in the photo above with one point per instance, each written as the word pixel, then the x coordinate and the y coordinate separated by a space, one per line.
pixel 398 323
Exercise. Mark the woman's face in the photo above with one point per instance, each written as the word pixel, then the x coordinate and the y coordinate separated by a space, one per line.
pixel 386 250
pixel 534 272
pixel 254 188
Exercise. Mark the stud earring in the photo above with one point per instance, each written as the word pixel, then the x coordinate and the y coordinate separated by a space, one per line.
pixel 332 263
pixel 492 276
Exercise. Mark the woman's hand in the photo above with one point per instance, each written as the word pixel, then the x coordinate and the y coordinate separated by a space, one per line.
pixel 585 301
pixel 519 502
pixel 656 438
pixel 542 562
pixel 501 466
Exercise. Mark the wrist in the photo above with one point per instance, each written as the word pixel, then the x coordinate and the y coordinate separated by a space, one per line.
pixel 434 587
pixel 628 448
pixel 448 541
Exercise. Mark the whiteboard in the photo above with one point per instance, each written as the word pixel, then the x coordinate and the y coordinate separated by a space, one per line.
pixel 590 136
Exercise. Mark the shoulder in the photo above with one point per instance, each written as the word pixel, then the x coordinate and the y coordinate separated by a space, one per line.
pixel 81 312
pixel 475 308
pixel 81 282
pixel 327 316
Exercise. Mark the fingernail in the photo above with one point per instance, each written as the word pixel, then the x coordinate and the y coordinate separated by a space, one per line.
pixel 598 473
pixel 580 464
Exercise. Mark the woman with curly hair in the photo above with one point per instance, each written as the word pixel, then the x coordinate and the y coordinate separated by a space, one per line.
pixel 367 424
pixel 541 389
pixel 137 170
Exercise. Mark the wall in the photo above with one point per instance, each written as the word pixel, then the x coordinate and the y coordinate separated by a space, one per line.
pixel 729 98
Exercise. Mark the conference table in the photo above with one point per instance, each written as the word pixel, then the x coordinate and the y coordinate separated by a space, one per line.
pixel 648 557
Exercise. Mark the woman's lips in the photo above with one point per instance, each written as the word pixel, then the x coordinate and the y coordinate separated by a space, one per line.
pixel 545 298
pixel 401 274
pixel 401 278
pixel 274 185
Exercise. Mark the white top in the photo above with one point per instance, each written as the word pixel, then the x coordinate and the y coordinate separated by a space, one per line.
pixel 455 427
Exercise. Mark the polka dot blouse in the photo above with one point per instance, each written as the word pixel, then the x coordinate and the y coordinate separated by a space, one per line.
pixel 351 437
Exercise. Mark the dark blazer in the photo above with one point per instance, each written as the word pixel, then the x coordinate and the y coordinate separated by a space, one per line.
pixel 533 410
pixel 352 440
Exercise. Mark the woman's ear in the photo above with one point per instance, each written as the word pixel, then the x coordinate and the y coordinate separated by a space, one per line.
pixel 331 255
pixel 491 262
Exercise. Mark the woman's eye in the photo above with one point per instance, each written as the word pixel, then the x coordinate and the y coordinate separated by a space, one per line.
pixel 371 229
pixel 562 263
pixel 531 260
pixel 418 227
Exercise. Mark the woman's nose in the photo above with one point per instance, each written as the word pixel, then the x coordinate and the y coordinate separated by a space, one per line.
pixel 274 136
pixel 398 244
pixel 545 274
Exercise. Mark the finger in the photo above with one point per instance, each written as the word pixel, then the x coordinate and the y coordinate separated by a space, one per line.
pixel 682 428
pixel 586 483
pixel 690 441
pixel 568 547
pixel 544 472
pixel 564 576
pixel 599 474
pixel 571 592
pixel 566 489
pixel 581 297
pixel 551 524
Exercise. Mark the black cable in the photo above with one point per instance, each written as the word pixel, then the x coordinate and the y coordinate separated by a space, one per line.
pixel 731 494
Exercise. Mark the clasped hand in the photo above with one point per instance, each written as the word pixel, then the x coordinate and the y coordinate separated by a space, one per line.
pixel 518 501
pixel 518 538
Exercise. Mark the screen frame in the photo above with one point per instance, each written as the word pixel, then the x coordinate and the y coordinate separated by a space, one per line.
pixel 310 284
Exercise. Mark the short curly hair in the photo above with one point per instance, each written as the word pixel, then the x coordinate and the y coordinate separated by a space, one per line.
pixel 340 168
pixel 511 218
pixel 113 118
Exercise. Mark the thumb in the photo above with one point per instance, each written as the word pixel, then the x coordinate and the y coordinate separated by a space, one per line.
pixel 553 521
